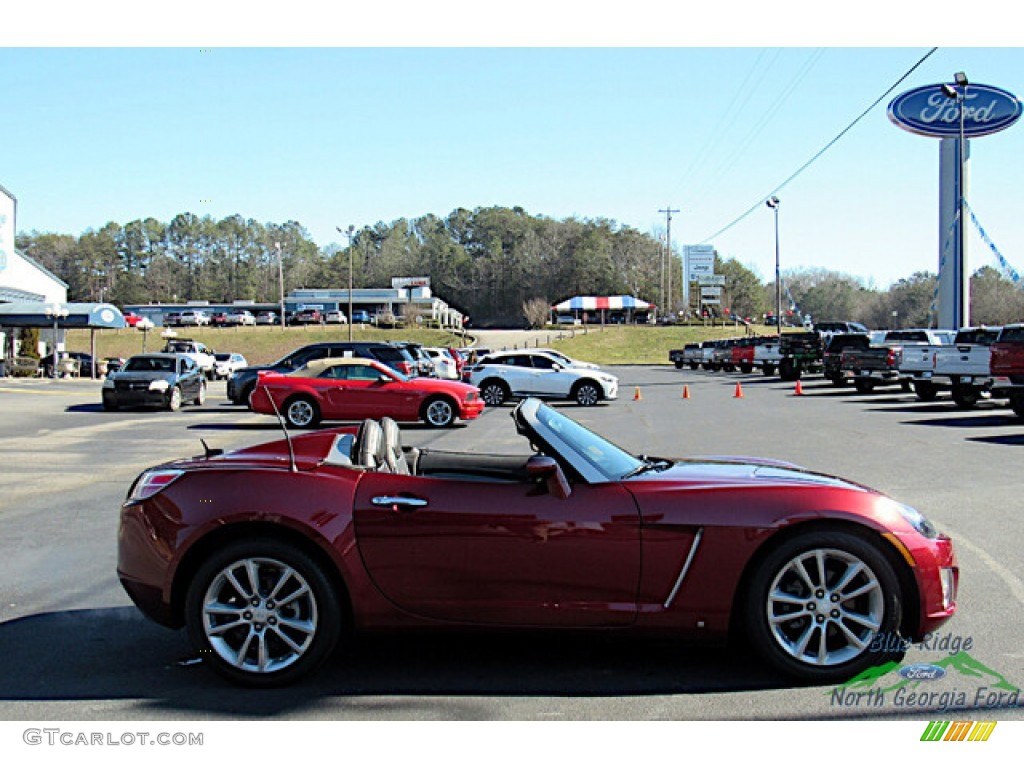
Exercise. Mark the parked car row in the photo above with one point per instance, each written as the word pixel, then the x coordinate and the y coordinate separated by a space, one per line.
pixel 971 364
pixel 244 317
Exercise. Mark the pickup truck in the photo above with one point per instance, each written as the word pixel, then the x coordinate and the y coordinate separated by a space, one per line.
pixel 962 367
pixel 198 351
pixel 832 355
pixel 880 363
pixel 689 355
pixel 1007 366
pixel 766 355
pixel 800 353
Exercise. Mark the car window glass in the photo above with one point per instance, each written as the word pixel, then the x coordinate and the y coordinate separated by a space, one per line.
pixel 363 373
pixel 544 363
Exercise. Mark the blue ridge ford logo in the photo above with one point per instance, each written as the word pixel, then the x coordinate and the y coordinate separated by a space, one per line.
pixel 922 672
pixel 930 112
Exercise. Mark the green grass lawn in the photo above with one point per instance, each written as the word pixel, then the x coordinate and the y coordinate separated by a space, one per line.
pixel 633 344
pixel 607 345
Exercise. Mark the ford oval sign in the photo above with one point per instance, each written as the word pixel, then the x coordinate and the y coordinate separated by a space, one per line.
pixel 928 111
pixel 922 672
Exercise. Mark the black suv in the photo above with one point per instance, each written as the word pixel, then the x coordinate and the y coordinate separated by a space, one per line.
pixel 242 381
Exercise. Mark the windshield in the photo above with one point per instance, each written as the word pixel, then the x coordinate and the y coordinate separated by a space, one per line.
pixel 606 457
pixel 162 364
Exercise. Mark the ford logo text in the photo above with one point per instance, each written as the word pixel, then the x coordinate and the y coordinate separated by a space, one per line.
pixel 922 672
pixel 928 111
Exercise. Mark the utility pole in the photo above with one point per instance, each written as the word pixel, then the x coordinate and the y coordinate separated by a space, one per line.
pixel 668 250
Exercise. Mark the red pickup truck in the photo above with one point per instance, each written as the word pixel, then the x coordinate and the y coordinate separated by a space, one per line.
pixel 1007 366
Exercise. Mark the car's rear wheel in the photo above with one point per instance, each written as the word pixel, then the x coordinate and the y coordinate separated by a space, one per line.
pixel 301 412
pixel 1017 404
pixel 864 386
pixel 201 395
pixel 263 612
pixel 494 392
pixel 965 397
pixel 174 399
pixel 586 393
pixel 925 390
pixel 824 606
pixel 439 412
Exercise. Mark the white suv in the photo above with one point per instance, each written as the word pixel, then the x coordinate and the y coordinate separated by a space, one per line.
pixel 195 317
pixel 529 373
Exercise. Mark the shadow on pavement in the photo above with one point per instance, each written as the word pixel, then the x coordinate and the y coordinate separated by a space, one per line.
pixel 113 654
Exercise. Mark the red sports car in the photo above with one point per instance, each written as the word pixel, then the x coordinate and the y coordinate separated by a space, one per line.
pixel 268 554
pixel 353 389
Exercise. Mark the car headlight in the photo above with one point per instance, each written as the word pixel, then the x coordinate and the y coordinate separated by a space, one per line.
pixel 918 521
pixel 160 385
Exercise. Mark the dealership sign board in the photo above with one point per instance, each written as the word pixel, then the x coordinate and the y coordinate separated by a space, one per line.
pixel 700 261
pixel 928 111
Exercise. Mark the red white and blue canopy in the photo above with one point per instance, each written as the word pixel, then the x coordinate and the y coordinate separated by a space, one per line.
pixel 600 302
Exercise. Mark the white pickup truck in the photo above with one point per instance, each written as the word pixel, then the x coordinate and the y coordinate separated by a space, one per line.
pixel 962 367
pixel 767 355
pixel 198 351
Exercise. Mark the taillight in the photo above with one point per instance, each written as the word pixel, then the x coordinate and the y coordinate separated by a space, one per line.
pixel 152 482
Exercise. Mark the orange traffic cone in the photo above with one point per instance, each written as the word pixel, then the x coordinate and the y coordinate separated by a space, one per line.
pixel 636 395
pixel 799 387
pixel 739 390
pixel 686 391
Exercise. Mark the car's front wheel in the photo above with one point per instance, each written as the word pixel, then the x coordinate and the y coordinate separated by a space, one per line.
pixel 301 412
pixel 174 399
pixel 587 393
pixel 494 392
pixel 263 612
pixel 824 606
pixel 439 412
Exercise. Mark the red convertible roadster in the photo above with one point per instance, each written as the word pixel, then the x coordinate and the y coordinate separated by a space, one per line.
pixel 267 554
pixel 353 389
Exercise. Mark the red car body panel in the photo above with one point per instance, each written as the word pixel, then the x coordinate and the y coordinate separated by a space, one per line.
pixel 487 554
pixel 349 400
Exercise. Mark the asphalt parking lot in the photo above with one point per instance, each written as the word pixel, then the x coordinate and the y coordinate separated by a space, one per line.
pixel 74 648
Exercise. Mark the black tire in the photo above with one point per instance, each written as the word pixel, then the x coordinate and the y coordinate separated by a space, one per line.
pixel 301 412
pixel 694 366
pixel 789 370
pixel 864 386
pixel 1017 404
pixel 312 620
pixel 109 405
pixel 201 395
pixel 965 397
pixel 174 399
pixel 768 369
pixel 246 394
pixel 838 381
pixel 439 412
pixel 494 392
pixel 746 368
pixel 905 385
pixel 813 644
pixel 586 392
pixel 926 391
pixel 679 363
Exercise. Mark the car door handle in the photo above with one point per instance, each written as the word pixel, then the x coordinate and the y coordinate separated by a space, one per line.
pixel 398 501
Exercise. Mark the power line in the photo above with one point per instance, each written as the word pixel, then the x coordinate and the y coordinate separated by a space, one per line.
pixel 820 152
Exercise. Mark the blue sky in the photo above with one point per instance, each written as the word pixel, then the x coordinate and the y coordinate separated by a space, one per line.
pixel 337 136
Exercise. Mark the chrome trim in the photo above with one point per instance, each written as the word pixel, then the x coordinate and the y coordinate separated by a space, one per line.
pixel 686 567
pixel 398 501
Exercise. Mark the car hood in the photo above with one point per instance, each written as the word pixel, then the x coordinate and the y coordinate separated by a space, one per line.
pixel 724 470
pixel 142 376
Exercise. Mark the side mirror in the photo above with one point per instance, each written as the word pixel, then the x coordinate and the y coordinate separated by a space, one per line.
pixel 546 468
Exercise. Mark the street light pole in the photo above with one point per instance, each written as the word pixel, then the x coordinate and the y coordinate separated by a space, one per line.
pixel 348 233
pixel 773 203
pixel 962 305
pixel 280 280
pixel 56 311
